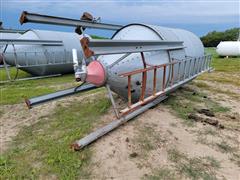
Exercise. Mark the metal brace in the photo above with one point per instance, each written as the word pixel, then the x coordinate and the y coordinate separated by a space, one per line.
pixel 112 101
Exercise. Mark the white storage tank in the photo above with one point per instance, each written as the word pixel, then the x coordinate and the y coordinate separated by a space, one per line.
pixel 228 48
pixel 45 59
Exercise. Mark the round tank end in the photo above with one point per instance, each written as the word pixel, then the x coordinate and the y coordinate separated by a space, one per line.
pixel 96 73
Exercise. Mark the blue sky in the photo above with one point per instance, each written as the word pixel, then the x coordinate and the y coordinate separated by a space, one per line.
pixel 198 16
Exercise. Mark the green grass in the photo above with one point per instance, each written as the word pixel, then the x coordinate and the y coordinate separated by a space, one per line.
pixel 193 168
pixel 15 92
pixel 213 89
pixel 148 139
pixel 13 73
pixel 42 150
pixel 185 101
pixel 163 173
pixel 182 102
pixel 227 78
pixel 224 64
pixel 216 107
pixel 1 112
pixel 227 70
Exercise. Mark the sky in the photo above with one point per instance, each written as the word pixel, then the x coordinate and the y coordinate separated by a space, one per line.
pixel 197 16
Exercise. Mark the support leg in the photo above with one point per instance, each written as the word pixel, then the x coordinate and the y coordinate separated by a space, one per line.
pixel 112 101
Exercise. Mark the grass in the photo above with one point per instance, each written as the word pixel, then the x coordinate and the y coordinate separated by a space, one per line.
pixel 235 157
pixel 227 78
pixel 162 173
pixel 41 151
pixel 186 100
pixel 193 168
pixel 224 64
pixel 13 73
pixel 181 105
pixel 1 112
pixel 148 139
pixel 224 147
pixel 213 89
pixel 208 131
pixel 216 107
pixel 227 71
pixel 15 92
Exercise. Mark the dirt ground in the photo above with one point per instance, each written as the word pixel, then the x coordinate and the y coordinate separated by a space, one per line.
pixel 146 146
pixel 112 159
pixel 140 148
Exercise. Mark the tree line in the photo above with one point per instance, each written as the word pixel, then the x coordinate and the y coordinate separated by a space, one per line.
pixel 212 39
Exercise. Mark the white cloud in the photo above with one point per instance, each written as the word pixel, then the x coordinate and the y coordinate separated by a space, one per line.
pixel 181 12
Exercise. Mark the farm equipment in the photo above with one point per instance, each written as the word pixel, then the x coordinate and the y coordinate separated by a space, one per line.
pixel 141 63
pixel 43 53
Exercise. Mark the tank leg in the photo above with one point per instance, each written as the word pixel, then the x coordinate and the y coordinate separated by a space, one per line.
pixel 112 101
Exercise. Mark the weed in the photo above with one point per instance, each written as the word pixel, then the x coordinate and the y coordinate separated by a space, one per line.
pixel 148 139
pixel 193 168
pixel 213 162
pixel 145 139
pixel 181 108
pixel 1 112
pixel 205 86
pixel 218 77
pixel 186 101
pixel 208 131
pixel 175 156
pixel 235 157
pixel 163 173
pixel 216 107
pixel 203 140
pixel 202 136
pixel 224 147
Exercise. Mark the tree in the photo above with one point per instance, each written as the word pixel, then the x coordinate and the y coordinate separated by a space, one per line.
pixel 212 39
